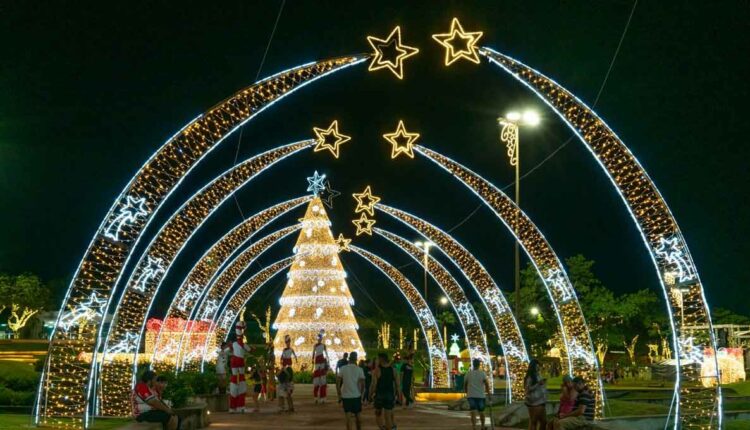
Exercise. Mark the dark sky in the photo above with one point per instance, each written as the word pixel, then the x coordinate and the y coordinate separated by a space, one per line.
pixel 88 92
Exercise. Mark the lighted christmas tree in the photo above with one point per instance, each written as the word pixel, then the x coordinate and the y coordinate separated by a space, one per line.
pixel 316 296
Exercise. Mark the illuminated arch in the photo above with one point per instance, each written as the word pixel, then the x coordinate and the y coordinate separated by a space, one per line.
pixel 65 391
pixel 436 351
pixel 669 252
pixel 577 341
pixel 129 315
pixel 224 282
pixel 516 357
pixel 461 305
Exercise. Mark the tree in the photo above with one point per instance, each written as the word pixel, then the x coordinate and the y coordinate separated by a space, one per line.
pixel 446 318
pixel 25 296
pixel 536 318
pixel 725 316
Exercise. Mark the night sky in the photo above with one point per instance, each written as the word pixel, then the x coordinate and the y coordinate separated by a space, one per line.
pixel 89 92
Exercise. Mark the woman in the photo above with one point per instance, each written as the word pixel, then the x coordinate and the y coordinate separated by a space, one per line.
pixel 255 376
pixel 568 395
pixel 535 396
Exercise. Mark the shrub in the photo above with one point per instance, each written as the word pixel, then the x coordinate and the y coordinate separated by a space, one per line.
pixel 16 398
pixel 178 390
pixel 303 377
pixel 18 376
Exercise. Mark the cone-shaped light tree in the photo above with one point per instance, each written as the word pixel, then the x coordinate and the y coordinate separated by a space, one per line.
pixel 316 296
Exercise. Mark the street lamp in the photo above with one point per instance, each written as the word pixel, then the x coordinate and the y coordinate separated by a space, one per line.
pixel 443 300
pixel 534 311
pixel 509 125
pixel 425 248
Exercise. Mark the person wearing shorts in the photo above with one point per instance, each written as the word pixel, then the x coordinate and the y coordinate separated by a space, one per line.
pixel 350 383
pixel 385 387
pixel 285 388
pixel 147 407
pixel 475 387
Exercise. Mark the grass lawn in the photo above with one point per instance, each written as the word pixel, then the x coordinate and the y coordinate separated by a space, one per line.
pixel 737 425
pixel 738 388
pixel 622 408
pixel 16 369
pixel 15 421
pixel 14 345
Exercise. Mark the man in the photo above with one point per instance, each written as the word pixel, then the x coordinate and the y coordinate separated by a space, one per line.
pixel 320 369
pixel 350 384
pixel 147 407
pixel 476 385
pixel 221 368
pixel 386 388
pixel 343 362
pixel 407 380
pixel 237 384
pixel 583 414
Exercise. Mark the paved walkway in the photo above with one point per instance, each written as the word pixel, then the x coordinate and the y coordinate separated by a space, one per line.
pixel 308 415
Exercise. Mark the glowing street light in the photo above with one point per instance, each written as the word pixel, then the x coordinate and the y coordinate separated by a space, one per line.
pixel 443 300
pixel 509 135
pixel 534 311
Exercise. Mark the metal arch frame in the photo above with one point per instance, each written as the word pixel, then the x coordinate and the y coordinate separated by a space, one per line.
pixel 131 309
pixel 461 305
pixel 197 282
pixel 509 334
pixel 652 217
pixel 224 282
pixel 219 122
pixel 435 350
pixel 577 341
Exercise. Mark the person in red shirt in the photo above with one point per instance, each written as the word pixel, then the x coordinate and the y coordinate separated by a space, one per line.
pixel 148 407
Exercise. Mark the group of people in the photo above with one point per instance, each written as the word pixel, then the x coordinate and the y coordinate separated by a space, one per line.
pixel 577 402
pixel 149 404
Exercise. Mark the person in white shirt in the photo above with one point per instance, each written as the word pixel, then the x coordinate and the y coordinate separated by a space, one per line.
pixel 350 384
pixel 221 367
pixel 475 387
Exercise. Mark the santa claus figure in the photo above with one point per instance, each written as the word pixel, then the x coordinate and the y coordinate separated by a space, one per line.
pixel 320 369
pixel 237 384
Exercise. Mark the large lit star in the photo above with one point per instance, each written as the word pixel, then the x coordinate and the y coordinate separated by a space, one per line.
pixel 459 44
pixel 330 138
pixel 390 53
pixel 402 141
pixel 315 183
pixel 366 201
pixel 364 225
pixel 343 243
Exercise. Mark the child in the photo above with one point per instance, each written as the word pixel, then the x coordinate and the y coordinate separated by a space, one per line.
pixel 285 388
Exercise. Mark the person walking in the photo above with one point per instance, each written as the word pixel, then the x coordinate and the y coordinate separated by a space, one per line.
pixel 385 388
pixel 320 369
pixel 343 362
pixel 407 380
pixel 350 384
pixel 368 380
pixel 535 391
pixel 256 378
pixel 477 388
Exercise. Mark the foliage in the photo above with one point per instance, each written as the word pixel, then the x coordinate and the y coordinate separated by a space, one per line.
pixel 725 316
pixel 24 295
pixel 18 421
pixel 446 318
pixel 18 376
pixel 10 397
pixel 305 377
pixel 179 388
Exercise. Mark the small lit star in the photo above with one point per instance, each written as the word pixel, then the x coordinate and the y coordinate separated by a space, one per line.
pixel 364 225
pixel 330 138
pixel 454 337
pixel 343 243
pixel 371 201
pixel 316 184
pixel 390 53
pixel 402 141
pixel 328 194
pixel 459 44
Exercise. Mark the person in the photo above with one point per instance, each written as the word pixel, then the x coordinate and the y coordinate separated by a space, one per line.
pixel 288 352
pixel 407 380
pixel 159 386
pixel 237 384
pixel 476 387
pixel 350 384
pixel 343 362
pixel 285 388
pixel 568 395
pixel 257 386
pixel 535 391
pixel 269 376
pixel 385 388
pixel 147 407
pixel 320 369
pixel 368 379
pixel 221 368
pixel 583 413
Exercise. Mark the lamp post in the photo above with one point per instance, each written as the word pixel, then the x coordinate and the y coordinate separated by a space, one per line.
pixel 509 126
pixel 425 247
pixel 443 302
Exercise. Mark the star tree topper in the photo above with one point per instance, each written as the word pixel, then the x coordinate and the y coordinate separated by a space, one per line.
pixel 364 225
pixel 366 201
pixel 343 243
pixel 459 43
pixel 315 183
pixel 329 138
pixel 402 142
pixel 390 53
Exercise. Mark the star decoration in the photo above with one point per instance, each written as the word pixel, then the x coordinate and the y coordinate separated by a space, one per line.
pixel 329 138
pixel 390 53
pixel 454 337
pixel 402 141
pixel 368 207
pixel 364 225
pixel 328 194
pixel 343 243
pixel 315 183
pixel 459 44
